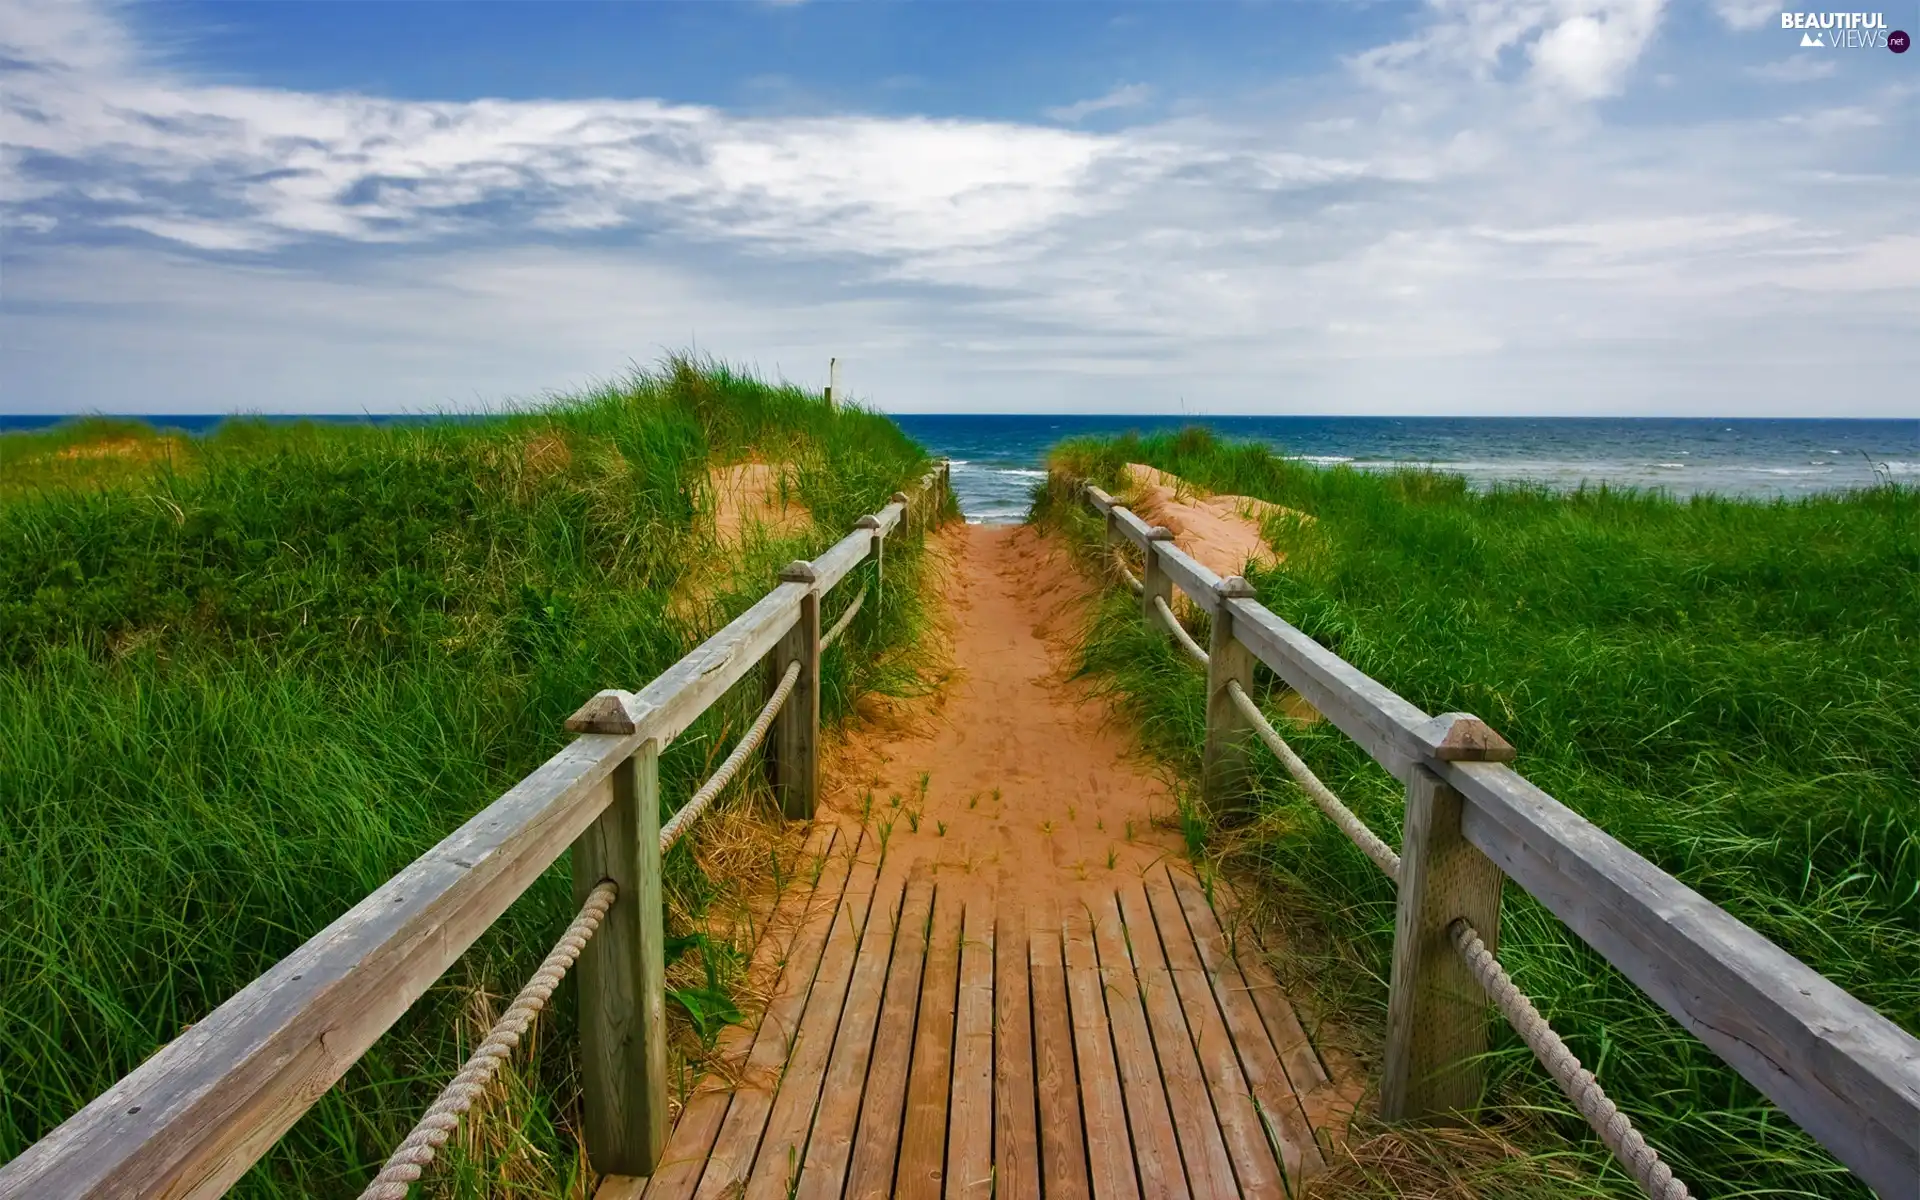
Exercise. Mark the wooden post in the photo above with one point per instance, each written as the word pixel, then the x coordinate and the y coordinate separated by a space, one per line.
pixel 1223 781
pixel 793 764
pixel 622 976
pixel 1436 1012
pixel 878 548
pixel 1155 582
pixel 834 395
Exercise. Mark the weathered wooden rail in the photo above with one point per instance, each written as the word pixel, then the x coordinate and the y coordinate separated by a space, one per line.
pixel 194 1117
pixel 1844 1073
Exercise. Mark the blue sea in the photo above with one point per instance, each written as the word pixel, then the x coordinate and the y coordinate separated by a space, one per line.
pixel 997 459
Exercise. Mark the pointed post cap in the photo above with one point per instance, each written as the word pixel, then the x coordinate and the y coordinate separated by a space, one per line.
pixel 1233 587
pixel 1463 737
pixel 609 712
pixel 1159 533
pixel 867 522
pixel 798 571
pixel 898 498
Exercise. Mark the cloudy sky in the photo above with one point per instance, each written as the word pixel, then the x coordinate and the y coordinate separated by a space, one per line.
pixel 1321 206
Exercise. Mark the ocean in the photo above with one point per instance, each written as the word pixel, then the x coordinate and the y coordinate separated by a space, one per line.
pixel 997 459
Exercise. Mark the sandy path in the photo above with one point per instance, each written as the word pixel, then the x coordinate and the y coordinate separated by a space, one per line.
pixel 1036 797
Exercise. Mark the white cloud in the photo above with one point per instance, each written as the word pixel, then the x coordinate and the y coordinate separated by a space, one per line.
pixel 1801 68
pixel 1131 95
pixel 1583 49
pixel 1748 14
pixel 1426 244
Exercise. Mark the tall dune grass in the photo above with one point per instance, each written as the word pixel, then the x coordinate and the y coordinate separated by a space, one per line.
pixel 1731 688
pixel 245 681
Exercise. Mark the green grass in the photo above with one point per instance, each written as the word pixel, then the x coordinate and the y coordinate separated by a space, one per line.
pixel 245 682
pixel 1728 687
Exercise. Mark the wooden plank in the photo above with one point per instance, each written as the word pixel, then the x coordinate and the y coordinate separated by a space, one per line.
pixel 890 517
pixel 1191 576
pixel 1129 525
pixel 1367 711
pixel 1101 501
pixel 782 1149
pixel 923 1143
pixel 1202 1151
pixel 676 698
pixel 970 1121
pixel 1110 1149
pixel 191 1119
pixel 1437 1015
pixel 1016 1134
pixel 1063 1152
pixel 1096 934
pixel 1305 1071
pixel 876 1144
pixel 1225 783
pixel 1284 1117
pixel 792 745
pixel 1255 1163
pixel 833 564
pixel 1846 1074
pixel 830 1146
pixel 706 1108
pixel 621 976
pixel 730 1162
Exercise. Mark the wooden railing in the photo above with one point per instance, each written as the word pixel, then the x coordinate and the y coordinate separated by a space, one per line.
pixel 194 1117
pixel 1846 1074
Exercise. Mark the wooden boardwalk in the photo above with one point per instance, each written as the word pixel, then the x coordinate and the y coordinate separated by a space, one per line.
pixel 932 1033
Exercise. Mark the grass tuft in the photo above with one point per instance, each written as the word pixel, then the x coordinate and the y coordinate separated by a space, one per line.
pixel 247 677
pixel 1726 686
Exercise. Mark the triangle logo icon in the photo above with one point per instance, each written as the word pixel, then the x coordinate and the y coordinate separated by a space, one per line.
pixel 1813 39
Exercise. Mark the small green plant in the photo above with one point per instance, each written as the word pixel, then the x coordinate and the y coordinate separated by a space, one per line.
pixel 1046 827
pixel 710 1008
pixel 913 820
pixel 940 828
pixel 973 801
pixel 1071 814
pixel 1113 858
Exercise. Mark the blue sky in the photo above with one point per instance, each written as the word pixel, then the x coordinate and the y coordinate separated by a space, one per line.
pixel 1636 207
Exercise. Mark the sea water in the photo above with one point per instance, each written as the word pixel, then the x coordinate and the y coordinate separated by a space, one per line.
pixel 998 459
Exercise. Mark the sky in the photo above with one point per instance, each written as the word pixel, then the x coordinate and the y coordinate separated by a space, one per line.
pixel 1466 207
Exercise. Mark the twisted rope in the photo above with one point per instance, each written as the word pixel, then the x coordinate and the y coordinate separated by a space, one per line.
pixel 410 1160
pixel 846 619
pixel 1128 577
pixel 1356 830
pixel 1641 1160
pixel 698 802
pixel 1179 632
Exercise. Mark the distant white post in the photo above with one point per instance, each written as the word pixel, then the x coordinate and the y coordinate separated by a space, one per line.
pixel 833 381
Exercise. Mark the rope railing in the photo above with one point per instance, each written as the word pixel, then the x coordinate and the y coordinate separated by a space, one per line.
pixel 1128 577
pixel 1370 843
pixel 846 619
pixel 1179 631
pixel 414 1154
pixel 1616 1131
pixel 417 1150
pixel 1641 1160
pixel 698 802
